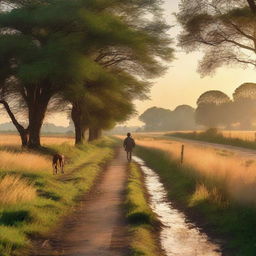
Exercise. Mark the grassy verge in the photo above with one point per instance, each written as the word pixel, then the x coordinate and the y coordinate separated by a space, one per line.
pixel 34 205
pixel 207 202
pixel 215 137
pixel 141 219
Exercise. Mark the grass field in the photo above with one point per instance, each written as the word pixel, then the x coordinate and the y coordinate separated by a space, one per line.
pixel 236 173
pixel 32 199
pixel 206 201
pixel 13 140
pixel 142 220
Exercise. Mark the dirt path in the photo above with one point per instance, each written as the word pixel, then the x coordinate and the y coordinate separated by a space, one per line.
pixel 97 227
pixel 239 151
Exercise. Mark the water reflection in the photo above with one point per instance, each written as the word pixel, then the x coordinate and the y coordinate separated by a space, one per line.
pixel 178 238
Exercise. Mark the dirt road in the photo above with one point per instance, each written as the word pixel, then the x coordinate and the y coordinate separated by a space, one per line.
pixel 97 227
pixel 239 151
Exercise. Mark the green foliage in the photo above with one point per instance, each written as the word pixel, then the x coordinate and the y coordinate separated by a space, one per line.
pixel 79 50
pixel 229 43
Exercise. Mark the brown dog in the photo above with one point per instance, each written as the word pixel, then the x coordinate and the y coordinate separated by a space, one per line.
pixel 58 160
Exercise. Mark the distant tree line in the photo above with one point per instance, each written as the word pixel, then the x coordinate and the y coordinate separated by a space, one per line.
pixel 160 119
pixel 90 58
pixel 214 110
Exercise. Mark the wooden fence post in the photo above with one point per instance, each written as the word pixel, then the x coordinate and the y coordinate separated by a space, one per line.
pixel 182 154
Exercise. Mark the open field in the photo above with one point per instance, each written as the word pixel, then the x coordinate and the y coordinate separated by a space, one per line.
pixel 14 140
pixel 32 199
pixel 236 172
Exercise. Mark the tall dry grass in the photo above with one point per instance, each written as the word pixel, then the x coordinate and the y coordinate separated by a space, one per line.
pixel 243 135
pixel 14 140
pixel 24 161
pixel 15 189
pixel 50 140
pixel 236 172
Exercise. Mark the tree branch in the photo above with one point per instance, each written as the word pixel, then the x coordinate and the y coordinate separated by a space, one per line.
pixel 11 115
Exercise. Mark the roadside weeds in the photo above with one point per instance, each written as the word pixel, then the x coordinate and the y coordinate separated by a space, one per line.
pixel 143 223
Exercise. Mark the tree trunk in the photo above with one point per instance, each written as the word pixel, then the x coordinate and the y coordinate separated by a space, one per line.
pixel 37 106
pixel 24 137
pixel 79 134
pixel 80 127
pixel 35 124
pixel 94 134
pixel 22 131
pixel 252 5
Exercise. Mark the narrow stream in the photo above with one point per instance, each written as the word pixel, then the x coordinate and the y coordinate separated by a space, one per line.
pixel 178 237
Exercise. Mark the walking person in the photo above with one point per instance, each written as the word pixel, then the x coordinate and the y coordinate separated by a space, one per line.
pixel 129 144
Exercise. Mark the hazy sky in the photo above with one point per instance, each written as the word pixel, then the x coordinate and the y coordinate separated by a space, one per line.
pixel 182 84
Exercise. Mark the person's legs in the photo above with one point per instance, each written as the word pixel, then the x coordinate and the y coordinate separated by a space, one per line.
pixel 129 155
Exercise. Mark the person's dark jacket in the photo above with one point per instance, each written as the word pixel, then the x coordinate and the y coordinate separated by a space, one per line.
pixel 129 144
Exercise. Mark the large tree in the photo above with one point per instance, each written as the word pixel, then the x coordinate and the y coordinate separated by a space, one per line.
pixel 209 110
pixel 244 106
pixel 50 47
pixel 156 119
pixel 103 103
pixel 224 30
pixel 137 61
pixel 183 118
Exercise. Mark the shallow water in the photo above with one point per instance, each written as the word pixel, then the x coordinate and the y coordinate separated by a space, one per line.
pixel 178 236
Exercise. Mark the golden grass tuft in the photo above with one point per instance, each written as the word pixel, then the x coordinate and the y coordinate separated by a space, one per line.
pixel 202 193
pixel 14 189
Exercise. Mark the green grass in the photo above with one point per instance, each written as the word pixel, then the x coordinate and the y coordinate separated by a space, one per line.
pixel 207 202
pixel 214 137
pixel 142 220
pixel 56 194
